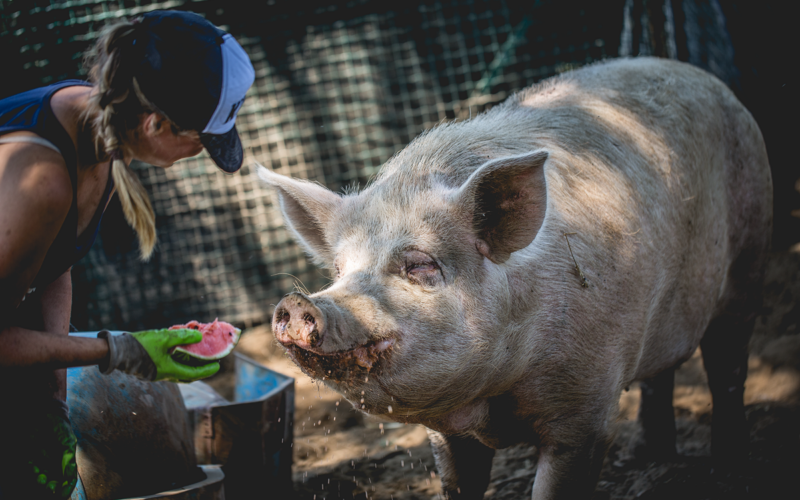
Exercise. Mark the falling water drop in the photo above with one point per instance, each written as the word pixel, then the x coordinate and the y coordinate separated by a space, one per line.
pixel 390 408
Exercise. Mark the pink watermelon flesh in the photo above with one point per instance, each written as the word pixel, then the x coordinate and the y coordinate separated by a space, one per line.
pixel 219 339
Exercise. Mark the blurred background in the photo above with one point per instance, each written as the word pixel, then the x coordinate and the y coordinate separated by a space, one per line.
pixel 342 86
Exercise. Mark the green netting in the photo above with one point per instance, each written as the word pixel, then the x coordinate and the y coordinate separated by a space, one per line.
pixel 340 87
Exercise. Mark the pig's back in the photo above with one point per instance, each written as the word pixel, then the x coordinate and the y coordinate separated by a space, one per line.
pixel 664 175
pixel 660 172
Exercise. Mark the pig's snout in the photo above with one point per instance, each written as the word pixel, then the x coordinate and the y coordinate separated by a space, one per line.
pixel 298 321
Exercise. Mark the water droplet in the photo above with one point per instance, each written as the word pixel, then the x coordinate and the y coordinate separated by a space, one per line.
pixel 390 408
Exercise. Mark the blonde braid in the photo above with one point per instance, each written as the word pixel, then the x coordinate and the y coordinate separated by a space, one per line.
pixel 132 195
pixel 114 109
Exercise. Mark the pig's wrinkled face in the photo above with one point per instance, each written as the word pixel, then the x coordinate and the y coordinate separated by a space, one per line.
pixel 402 308
pixel 420 303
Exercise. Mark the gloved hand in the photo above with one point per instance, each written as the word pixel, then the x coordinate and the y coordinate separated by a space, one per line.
pixel 147 355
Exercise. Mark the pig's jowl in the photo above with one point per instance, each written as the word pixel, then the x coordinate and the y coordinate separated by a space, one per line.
pixel 459 303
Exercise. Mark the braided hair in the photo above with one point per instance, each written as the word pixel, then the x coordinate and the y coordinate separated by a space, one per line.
pixel 112 111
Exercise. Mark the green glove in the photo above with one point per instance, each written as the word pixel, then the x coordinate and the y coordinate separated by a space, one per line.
pixel 148 355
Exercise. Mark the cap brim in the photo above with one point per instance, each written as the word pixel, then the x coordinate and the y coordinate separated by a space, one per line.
pixel 225 149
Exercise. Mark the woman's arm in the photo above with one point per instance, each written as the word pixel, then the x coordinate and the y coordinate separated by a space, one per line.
pixel 56 305
pixel 20 347
pixel 43 342
pixel 35 196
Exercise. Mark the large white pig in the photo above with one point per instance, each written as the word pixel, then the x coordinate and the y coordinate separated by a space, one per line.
pixel 504 278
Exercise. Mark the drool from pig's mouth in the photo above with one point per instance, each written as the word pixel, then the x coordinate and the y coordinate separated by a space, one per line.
pixel 342 365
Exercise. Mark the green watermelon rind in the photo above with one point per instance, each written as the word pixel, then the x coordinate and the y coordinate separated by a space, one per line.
pixel 192 359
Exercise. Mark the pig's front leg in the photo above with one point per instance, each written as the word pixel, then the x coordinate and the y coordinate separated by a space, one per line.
pixel 464 465
pixel 570 471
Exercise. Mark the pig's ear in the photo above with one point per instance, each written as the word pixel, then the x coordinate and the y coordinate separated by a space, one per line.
pixel 506 198
pixel 307 208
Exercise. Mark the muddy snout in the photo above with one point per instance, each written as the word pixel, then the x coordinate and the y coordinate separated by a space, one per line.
pixel 298 321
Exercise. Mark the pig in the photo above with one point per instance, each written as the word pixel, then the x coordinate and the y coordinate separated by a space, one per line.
pixel 504 278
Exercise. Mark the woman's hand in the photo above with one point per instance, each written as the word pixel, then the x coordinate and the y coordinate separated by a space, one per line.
pixel 148 355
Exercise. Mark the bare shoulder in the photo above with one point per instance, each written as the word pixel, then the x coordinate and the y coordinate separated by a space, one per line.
pixel 35 174
pixel 35 197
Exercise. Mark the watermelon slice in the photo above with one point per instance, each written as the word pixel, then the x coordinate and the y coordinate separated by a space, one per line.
pixel 219 339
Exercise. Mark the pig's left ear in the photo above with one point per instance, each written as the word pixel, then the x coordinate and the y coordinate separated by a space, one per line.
pixel 506 198
pixel 308 209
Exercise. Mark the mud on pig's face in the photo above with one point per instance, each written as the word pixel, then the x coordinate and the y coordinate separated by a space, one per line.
pixel 418 306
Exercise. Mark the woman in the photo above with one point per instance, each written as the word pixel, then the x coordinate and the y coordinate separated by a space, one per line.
pixel 162 88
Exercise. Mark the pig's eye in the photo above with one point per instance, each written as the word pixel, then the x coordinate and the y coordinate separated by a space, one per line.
pixel 423 273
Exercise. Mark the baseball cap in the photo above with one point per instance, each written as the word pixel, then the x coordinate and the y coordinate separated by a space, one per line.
pixel 198 76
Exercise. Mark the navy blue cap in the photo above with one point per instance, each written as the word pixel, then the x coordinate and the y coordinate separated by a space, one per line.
pixel 198 76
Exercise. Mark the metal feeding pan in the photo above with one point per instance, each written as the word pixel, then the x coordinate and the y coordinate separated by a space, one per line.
pixel 210 488
pixel 134 439
pixel 251 436
pixel 182 441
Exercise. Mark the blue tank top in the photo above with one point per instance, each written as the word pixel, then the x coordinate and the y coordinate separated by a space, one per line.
pixel 31 111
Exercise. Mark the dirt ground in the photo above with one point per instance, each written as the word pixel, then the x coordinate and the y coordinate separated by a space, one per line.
pixel 341 453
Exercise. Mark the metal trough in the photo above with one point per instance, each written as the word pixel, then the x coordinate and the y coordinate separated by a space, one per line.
pixel 210 488
pixel 182 441
pixel 251 436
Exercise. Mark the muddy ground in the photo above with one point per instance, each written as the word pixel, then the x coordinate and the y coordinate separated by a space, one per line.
pixel 341 453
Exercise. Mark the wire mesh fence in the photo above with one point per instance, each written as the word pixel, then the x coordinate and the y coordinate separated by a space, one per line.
pixel 340 87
